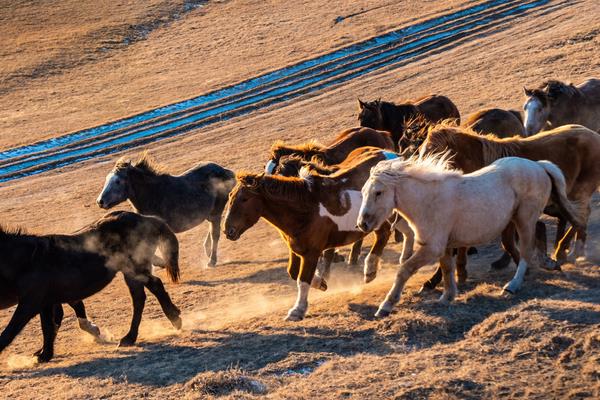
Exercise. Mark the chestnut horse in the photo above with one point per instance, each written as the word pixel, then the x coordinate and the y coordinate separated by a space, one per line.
pixel 557 103
pixel 386 116
pixel 573 148
pixel 499 122
pixel 312 213
pixel 335 152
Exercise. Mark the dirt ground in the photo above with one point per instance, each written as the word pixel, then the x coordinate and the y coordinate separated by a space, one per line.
pixel 68 65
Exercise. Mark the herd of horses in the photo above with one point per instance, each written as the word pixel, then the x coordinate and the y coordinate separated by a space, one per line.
pixel 411 169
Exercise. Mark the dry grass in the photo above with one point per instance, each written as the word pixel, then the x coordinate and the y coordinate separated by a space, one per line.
pixel 542 343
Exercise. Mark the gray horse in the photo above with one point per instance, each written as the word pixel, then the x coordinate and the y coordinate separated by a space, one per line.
pixel 182 201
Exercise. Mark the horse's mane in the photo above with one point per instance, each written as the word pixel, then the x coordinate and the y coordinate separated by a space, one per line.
pixel 316 163
pixel 11 231
pixel 443 137
pixel 279 148
pixel 277 187
pixel 554 89
pixel 144 162
pixel 429 168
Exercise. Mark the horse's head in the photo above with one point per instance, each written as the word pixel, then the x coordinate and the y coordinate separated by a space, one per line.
pixel 289 165
pixel 117 187
pixel 370 115
pixel 378 200
pixel 537 110
pixel 244 207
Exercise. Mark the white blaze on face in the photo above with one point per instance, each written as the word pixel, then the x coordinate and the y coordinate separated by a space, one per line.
pixel 270 167
pixel 346 222
pixel 108 184
pixel 532 109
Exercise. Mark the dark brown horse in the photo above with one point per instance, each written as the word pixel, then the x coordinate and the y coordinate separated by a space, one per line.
pixel 557 103
pixel 496 121
pixel 386 116
pixel 573 148
pixel 183 201
pixel 40 272
pixel 333 153
pixel 312 213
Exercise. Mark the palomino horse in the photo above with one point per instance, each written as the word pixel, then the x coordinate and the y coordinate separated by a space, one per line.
pixel 573 148
pixel 334 153
pixel 393 118
pixel 498 122
pixel 182 201
pixel 557 103
pixel 39 272
pixel 312 213
pixel 447 209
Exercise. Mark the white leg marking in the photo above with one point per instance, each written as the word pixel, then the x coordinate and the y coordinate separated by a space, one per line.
pixel 297 312
pixel 517 281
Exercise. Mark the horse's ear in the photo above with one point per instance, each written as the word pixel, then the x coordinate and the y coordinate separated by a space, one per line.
pixel 528 92
pixel 361 104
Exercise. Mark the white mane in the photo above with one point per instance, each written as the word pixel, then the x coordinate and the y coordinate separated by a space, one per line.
pixel 430 168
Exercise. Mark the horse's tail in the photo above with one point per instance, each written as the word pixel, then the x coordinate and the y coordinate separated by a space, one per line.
pixel 570 210
pixel 169 248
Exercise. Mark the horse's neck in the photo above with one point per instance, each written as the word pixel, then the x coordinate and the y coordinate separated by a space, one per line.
pixel 287 217
pixel 412 197
pixel 146 192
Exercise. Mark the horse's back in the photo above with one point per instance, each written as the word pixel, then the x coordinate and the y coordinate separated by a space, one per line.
pixel 496 121
pixel 437 108
pixel 591 89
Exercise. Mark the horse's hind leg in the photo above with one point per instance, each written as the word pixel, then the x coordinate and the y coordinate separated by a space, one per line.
pixel 461 266
pixel 355 252
pixel 432 282
pixel 326 259
pixel 374 257
pixel 51 319
pixel 510 250
pixel 138 298
pixel 526 227
pixel 447 267
pixel 24 312
pixel 156 287
pixel 84 323
pixel 212 240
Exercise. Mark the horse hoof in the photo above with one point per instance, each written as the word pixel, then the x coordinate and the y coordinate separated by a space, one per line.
pixel 381 313
pixel 126 342
pixel 426 288
pixel 89 327
pixel 370 277
pixel 211 264
pixel 294 316
pixel 44 357
pixel 177 323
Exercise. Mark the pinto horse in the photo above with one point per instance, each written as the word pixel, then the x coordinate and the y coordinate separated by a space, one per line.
pixel 557 103
pixel 40 272
pixel 448 209
pixel 334 153
pixel 573 148
pixel 312 213
pixel 386 116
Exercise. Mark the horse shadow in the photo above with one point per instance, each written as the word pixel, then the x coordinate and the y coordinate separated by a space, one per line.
pixel 163 364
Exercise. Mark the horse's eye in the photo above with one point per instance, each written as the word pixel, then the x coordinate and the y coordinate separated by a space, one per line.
pixel 378 193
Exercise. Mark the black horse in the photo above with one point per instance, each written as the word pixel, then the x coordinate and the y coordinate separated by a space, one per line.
pixel 39 273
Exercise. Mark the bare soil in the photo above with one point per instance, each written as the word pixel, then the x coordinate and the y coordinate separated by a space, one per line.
pixel 69 65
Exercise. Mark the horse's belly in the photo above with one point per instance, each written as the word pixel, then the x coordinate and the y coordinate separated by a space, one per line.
pixel 8 297
pixel 480 228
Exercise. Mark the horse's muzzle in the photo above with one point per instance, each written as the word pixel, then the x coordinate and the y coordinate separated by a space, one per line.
pixel 232 234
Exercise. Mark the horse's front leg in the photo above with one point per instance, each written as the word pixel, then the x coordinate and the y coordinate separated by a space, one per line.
pixel 24 312
pixel 84 323
pixel 156 287
pixel 138 298
pixel 447 267
pixel 422 256
pixel 211 242
pixel 374 257
pixel 305 279
pixel 51 319
pixel 326 260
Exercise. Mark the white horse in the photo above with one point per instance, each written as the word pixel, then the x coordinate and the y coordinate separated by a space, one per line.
pixel 447 209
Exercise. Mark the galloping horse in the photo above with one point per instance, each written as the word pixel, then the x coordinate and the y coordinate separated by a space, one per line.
pixel 557 103
pixel 312 213
pixel 573 148
pixel 182 201
pixel 40 272
pixel 447 209
pixel 386 116
pixel 334 153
